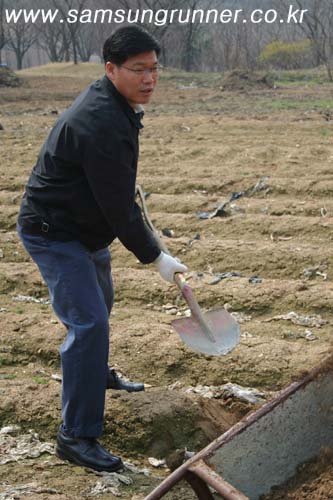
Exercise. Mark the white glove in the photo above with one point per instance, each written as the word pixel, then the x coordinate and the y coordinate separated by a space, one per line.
pixel 167 266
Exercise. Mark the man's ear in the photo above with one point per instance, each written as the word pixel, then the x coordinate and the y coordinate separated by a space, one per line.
pixel 110 70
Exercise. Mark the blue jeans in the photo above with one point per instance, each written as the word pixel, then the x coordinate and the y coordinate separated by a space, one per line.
pixel 81 292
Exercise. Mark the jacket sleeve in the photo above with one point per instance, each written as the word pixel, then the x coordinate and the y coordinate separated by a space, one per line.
pixel 110 168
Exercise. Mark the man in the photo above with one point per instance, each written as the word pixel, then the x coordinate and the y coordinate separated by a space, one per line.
pixel 78 199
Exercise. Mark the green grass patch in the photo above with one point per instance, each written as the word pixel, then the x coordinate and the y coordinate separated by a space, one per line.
pixel 7 376
pixel 301 77
pixel 5 361
pixel 326 132
pixel 285 104
pixel 40 380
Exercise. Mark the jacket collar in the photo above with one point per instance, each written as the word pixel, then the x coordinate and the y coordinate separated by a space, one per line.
pixel 135 116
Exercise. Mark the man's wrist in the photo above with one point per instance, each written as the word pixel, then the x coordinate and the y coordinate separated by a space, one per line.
pixel 159 258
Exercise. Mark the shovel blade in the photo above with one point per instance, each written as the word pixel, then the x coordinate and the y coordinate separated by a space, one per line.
pixel 224 329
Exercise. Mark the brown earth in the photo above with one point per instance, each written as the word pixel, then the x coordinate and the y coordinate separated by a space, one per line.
pixel 314 480
pixel 247 80
pixel 199 145
pixel 8 78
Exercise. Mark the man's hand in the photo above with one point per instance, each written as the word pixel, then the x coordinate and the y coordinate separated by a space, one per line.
pixel 167 266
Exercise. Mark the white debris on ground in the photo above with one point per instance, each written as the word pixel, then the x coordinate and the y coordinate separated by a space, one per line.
pixel 110 482
pixel 247 394
pixel 170 309
pixel 15 446
pixel 246 335
pixel 134 470
pixel 155 462
pixel 10 429
pixel 188 454
pixel 191 86
pixel 310 273
pixel 314 320
pixel 307 335
pixel 241 317
pixel 28 298
pixel 16 492
pixel 173 310
pixel 206 391
pixel 175 385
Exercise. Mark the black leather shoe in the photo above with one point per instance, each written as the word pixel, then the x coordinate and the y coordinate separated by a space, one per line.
pixel 120 384
pixel 86 452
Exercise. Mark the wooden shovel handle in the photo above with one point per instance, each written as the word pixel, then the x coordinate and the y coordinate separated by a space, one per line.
pixel 179 278
pixel 191 301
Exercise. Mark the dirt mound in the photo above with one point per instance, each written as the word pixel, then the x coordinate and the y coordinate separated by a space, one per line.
pixel 247 80
pixel 158 422
pixel 8 78
pixel 313 480
pixel 155 422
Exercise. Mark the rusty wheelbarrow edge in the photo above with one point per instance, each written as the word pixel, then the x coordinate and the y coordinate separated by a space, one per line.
pixel 207 452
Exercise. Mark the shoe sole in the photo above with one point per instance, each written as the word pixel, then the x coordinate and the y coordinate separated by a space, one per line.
pixel 63 456
pixel 138 389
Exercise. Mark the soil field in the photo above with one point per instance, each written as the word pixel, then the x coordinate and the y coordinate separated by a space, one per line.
pixel 199 145
pixel 314 480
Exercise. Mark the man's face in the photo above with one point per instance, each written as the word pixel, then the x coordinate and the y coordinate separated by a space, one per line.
pixel 136 78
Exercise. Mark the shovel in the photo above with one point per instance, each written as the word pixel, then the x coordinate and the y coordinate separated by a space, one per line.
pixel 215 332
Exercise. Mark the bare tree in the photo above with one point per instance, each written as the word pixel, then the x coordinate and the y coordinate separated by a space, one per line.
pixel 2 27
pixel 158 30
pixel 21 36
pixel 73 28
pixel 85 42
pixel 195 35
pixel 191 45
pixel 317 26
pixel 51 39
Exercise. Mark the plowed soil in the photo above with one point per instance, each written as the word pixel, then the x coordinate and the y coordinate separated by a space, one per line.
pixel 313 480
pixel 200 144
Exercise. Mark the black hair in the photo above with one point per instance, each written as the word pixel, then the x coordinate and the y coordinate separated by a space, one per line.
pixel 128 41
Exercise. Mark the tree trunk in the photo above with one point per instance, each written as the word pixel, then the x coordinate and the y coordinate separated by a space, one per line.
pixel 2 29
pixel 19 59
pixel 329 71
pixel 188 55
pixel 74 49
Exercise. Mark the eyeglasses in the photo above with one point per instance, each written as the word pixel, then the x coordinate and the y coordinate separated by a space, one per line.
pixel 143 72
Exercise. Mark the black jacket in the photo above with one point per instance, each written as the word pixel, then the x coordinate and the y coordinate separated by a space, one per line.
pixel 83 185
